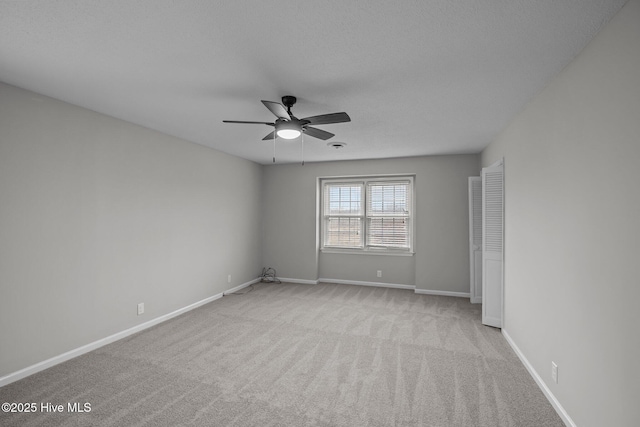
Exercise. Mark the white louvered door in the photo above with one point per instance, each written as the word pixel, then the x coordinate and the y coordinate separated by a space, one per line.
pixel 475 238
pixel 492 244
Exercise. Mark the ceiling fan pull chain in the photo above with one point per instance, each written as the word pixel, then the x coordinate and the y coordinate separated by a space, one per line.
pixel 274 147
pixel 302 146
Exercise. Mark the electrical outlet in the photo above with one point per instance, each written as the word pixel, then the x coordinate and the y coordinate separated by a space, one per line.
pixel 140 308
pixel 379 273
pixel 554 372
pixel 229 279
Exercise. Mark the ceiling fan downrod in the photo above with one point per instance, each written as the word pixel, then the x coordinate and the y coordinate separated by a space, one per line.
pixel 289 101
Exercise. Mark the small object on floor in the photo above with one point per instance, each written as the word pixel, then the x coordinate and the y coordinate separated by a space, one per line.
pixel 269 276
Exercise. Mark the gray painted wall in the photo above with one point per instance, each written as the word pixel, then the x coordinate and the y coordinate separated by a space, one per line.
pixel 572 228
pixel 441 261
pixel 97 215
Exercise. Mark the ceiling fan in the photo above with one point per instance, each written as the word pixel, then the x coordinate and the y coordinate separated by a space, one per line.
pixel 288 126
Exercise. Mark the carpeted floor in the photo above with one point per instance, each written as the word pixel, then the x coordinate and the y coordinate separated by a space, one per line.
pixel 298 355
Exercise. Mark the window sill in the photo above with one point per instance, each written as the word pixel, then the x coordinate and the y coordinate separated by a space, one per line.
pixel 366 252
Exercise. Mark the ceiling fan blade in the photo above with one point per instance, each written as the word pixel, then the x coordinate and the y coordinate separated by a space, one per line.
pixel 318 133
pixel 277 109
pixel 269 137
pixel 253 123
pixel 326 119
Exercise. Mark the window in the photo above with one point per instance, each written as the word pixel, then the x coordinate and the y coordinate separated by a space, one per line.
pixel 367 214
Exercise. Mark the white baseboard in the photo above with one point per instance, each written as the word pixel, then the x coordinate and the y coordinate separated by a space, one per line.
pixel 547 392
pixel 300 281
pixel 361 283
pixel 476 300
pixel 237 288
pixel 380 285
pixel 443 293
pixel 41 366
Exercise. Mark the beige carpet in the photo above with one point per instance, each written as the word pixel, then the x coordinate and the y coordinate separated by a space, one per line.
pixel 298 355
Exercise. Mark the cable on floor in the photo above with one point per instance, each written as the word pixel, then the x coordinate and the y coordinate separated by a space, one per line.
pixel 241 291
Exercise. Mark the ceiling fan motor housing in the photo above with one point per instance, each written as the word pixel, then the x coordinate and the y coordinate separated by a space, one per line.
pixel 289 101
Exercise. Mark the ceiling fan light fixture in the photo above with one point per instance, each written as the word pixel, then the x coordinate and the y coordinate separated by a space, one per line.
pixel 288 133
pixel 288 130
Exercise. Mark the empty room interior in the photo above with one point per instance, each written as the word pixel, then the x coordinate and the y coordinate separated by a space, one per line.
pixel 262 213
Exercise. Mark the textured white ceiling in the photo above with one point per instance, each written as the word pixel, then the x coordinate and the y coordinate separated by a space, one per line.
pixel 416 77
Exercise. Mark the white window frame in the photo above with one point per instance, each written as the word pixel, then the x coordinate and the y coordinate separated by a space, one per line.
pixel 363 182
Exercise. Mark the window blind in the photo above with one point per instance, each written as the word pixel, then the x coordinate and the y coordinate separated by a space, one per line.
pixel 388 214
pixel 343 215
